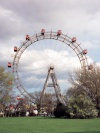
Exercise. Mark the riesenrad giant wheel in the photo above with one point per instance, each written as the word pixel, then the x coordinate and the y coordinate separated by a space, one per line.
pixel 71 42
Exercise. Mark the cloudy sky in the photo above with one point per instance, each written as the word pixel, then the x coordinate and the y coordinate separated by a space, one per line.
pixel 80 18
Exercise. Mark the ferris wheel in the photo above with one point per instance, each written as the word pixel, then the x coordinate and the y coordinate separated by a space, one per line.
pixel 43 35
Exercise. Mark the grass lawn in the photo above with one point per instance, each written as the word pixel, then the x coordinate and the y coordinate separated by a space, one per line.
pixel 48 125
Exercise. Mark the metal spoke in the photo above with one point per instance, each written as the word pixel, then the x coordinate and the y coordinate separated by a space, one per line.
pixel 37 37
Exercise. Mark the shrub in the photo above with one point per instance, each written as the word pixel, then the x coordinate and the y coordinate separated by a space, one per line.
pixel 81 106
pixel 60 110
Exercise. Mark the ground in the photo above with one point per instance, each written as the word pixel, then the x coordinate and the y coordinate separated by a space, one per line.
pixel 48 125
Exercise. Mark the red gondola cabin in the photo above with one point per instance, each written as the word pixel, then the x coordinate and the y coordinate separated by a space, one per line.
pixel 59 32
pixel 15 49
pixel 85 51
pixel 9 64
pixel 42 31
pixel 73 39
pixel 27 37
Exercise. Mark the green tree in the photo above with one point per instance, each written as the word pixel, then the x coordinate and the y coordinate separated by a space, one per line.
pixel 81 106
pixel 6 85
pixel 87 82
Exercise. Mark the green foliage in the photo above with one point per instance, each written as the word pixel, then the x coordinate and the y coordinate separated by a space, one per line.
pixel 81 106
pixel 88 82
pixel 60 110
pixel 6 80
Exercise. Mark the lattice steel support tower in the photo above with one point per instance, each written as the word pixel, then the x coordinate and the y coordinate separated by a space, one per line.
pixel 51 74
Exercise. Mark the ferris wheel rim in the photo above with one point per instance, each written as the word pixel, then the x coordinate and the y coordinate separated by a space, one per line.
pixel 37 37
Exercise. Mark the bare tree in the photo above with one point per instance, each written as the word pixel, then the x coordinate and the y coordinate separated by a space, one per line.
pixel 47 103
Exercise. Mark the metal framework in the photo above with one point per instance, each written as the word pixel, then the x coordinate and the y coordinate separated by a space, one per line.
pixel 37 37
pixel 51 74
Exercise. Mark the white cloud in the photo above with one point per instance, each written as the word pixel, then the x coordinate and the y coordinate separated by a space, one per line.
pixel 34 66
pixel 62 60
